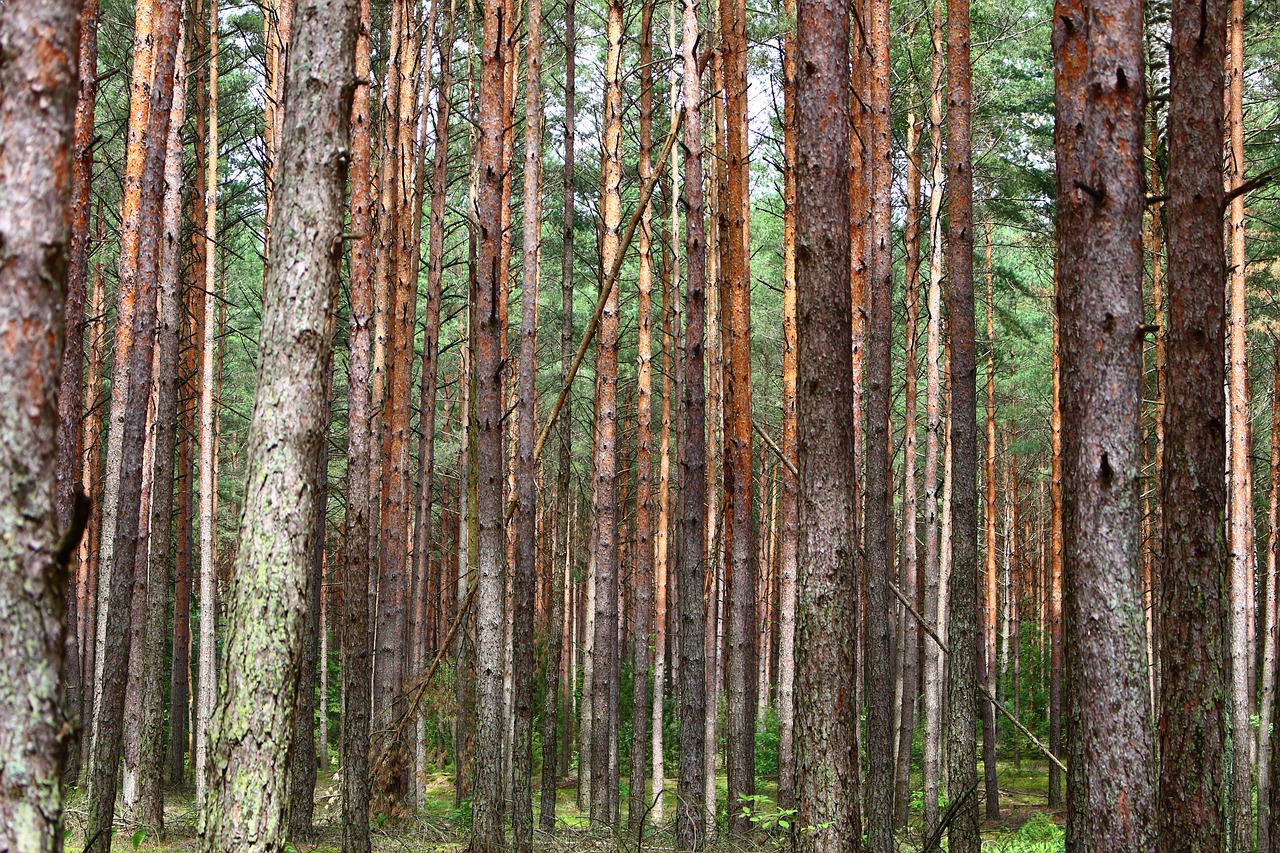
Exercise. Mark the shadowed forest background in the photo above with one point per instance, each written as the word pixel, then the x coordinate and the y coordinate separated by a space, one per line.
pixel 593 424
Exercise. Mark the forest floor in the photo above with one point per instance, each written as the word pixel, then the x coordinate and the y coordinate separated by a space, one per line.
pixel 1026 823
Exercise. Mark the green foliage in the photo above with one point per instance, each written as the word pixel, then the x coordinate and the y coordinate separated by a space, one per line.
pixel 767 740
pixel 766 817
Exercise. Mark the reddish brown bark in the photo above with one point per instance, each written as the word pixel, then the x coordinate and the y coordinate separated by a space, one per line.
pixel 356 651
pixel 527 405
pixel 37 107
pixel 878 627
pixel 604 794
pixel 550 711
pixel 131 393
pixel 826 752
pixel 1098 77
pixel 642 578
pixel 487 805
pixel 691 451
pixel 1193 618
pixel 962 624
pixel 740 564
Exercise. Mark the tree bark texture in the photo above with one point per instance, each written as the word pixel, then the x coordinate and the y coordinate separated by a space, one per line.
pixel 252 728
pixel 1098 72
pixel 37 108
pixel 826 716
pixel 1194 594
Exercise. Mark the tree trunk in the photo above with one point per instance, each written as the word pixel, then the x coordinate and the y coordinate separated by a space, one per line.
pixel 92 475
pixel 124 536
pixel 207 673
pixel 37 120
pixel 642 603
pixel 487 806
pixel 527 409
pixel 663 541
pixel 691 453
pixel 932 762
pixel 1194 591
pixel 356 651
pixel 1268 693
pixel 605 483
pixel 401 250
pixel 740 568
pixel 1099 139
pixel 826 757
pixel 189 402
pixel 719 500
pixel 962 622
pixel 148 809
pixel 990 606
pixel 71 402
pixel 1057 644
pixel 564 462
pixel 877 237
pixel 1240 498
pixel 908 570
pixel 253 724
pixel 427 491
pixel 789 528
pixel 303 758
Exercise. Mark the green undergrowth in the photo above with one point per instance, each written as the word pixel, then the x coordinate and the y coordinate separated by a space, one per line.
pixel 1025 825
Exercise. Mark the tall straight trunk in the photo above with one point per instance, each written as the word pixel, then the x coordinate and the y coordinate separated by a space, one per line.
pixel 355 642
pixel 391 650
pixel 789 529
pixel 1194 577
pixel 604 496
pixel 719 500
pixel 1240 499
pixel 826 754
pixel 151 97
pixel 990 605
pixel 527 408
pixel 487 833
pixel 148 806
pixel 564 461
pixel 37 121
pixel 427 493
pixel 908 571
pixel 193 330
pixel 878 630
pixel 92 478
pixel 1098 73
pixel 932 761
pixel 1267 695
pixel 740 566
pixel 962 622
pixel 207 672
pixel 254 723
pixel 71 402
pixel 663 539
pixel 691 454
pixel 1057 644
pixel 642 601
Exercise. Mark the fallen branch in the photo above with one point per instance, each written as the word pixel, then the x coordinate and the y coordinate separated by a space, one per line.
pixel 925 625
pixel 928 629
